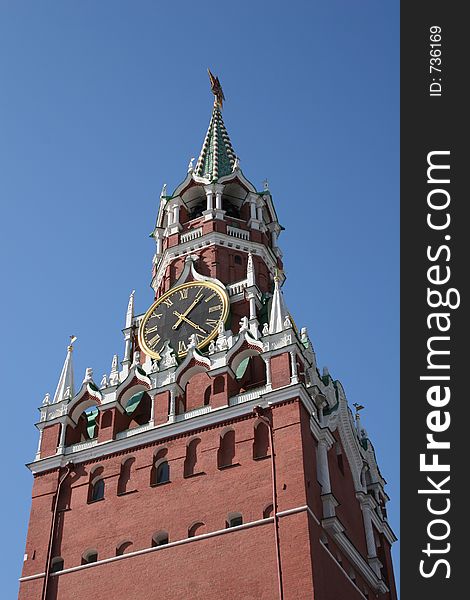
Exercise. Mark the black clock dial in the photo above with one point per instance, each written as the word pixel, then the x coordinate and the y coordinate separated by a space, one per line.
pixel 190 309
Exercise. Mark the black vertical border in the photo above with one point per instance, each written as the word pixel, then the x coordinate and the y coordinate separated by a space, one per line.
pixel 429 124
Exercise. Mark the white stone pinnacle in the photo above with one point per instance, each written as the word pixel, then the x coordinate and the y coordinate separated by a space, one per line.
pixel 279 311
pixel 66 380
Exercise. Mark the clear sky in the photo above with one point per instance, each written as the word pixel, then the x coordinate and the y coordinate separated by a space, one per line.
pixel 103 102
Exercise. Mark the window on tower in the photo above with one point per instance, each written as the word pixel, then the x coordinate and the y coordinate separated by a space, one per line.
pixel 268 511
pixel 121 549
pixel 196 529
pixel 125 476
pixel 161 468
pixel 190 462
pixel 234 520
pixel 97 485
pixel 97 492
pixel 91 556
pixel 160 539
pixel 226 452
pixel 57 564
pixel 261 441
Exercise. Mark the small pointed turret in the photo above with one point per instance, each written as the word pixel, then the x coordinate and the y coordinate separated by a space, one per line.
pixel 130 310
pixel 279 312
pixel 65 387
pixel 217 157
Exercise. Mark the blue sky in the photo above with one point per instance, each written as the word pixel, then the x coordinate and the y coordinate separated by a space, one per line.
pixel 103 102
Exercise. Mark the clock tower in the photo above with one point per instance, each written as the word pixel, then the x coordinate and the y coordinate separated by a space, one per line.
pixel 215 459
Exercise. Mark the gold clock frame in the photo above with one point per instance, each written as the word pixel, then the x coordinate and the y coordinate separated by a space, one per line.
pixel 207 284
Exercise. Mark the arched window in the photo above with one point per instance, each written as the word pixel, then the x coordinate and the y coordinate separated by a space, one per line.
pixel 190 461
pixel 163 473
pixel 219 384
pixel 261 441
pixel 196 529
pixel 160 539
pixel 97 490
pixel 268 511
pixel 234 520
pixel 207 396
pixel 161 469
pixel 57 564
pixel 125 476
pixel 91 556
pixel 226 452
pixel 238 259
pixel 106 419
pixel 121 549
pixel 96 485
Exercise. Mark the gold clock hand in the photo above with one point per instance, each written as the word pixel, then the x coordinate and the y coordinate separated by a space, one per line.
pixel 183 318
pixel 187 311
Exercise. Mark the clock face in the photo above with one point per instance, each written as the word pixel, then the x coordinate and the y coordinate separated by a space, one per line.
pixel 194 308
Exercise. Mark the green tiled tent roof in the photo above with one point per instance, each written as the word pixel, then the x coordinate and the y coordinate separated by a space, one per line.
pixel 217 157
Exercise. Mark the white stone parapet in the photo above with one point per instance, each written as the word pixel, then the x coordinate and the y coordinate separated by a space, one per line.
pixel 247 396
pixel 130 432
pixel 192 234
pixel 81 446
pixel 193 413
pixel 236 232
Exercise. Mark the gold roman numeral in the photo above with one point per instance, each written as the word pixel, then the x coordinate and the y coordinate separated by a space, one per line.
pixel 181 347
pixel 210 297
pixel 154 340
pixel 211 322
pixel 168 302
pixel 214 308
pixel 183 294
pixel 156 316
pixel 151 329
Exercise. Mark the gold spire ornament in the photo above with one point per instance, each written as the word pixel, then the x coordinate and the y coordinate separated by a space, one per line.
pixel 216 89
pixel 72 340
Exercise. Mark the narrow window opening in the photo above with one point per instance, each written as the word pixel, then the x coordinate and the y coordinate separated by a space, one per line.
pixel 90 557
pixel 234 520
pixel 57 564
pixel 160 539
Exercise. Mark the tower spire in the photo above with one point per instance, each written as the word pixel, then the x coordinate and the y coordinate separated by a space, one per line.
pixel 279 310
pixel 65 387
pixel 217 157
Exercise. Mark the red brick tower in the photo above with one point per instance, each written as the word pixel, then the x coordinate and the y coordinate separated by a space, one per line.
pixel 216 461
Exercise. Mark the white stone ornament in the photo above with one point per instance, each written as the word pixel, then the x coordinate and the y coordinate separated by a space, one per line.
pixel 192 341
pixel 212 347
pixel 47 399
pixel 221 342
pixel 136 360
pixel 168 358
pixel 88 375
pixel 67 393
pixel 244 324
pixel 287 322
pixel 265 329
pixel 154 367
pixel 104 381
pixel 114 375
pixel 191 165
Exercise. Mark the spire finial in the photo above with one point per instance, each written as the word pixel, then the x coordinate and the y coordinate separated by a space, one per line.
pixel 73 338
pixel 216 89
pixel 65 387
pixel 358 408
